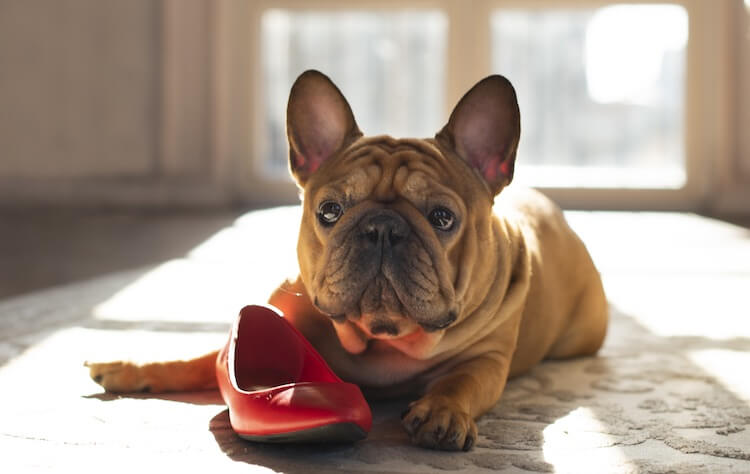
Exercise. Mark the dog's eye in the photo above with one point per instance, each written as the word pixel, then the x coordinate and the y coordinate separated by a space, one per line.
pixel 442 219
pixel 329 212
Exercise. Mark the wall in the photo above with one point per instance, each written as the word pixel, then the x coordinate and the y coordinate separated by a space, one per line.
pixel 78 88
pixel 106 103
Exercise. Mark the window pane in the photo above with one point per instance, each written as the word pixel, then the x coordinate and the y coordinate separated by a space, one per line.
pixel 601 93
pixel 389 65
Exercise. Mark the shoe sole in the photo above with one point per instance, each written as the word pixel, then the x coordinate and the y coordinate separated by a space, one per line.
pixel 334 433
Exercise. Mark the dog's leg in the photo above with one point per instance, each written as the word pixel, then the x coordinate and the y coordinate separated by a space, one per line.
pixel 444 417
pixel 156 377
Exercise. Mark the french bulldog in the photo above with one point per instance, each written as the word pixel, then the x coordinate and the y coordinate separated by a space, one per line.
pixel 421 271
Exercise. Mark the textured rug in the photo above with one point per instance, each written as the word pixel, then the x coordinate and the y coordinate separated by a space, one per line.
pixel 669 392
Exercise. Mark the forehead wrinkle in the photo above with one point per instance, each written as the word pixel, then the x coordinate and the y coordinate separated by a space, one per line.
pixel 386 145
pixel 412 183
pixel 422 189
pixel 352 186
pixel 394 157
pixel 359 183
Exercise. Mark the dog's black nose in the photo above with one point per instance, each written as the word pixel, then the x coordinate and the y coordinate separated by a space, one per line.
pixel 384 227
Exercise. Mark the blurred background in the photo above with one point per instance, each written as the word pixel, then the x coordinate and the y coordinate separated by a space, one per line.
pixel 132 131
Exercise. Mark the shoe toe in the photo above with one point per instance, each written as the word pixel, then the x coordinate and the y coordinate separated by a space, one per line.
pixel 297 411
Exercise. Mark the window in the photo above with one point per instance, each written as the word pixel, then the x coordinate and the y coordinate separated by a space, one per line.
pixel 601 105
pixel 388 64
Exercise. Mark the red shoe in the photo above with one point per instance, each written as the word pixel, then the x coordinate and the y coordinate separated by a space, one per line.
pixel 279 389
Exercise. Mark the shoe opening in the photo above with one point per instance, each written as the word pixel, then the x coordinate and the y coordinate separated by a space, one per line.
pixel 267 352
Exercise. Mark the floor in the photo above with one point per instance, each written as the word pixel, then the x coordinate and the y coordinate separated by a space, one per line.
pixel 666 393
pixel 45 248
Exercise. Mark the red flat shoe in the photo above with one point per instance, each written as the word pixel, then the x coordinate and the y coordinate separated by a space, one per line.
pixel 279 389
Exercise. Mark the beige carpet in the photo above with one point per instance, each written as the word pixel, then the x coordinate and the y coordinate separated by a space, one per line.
pixel 668 393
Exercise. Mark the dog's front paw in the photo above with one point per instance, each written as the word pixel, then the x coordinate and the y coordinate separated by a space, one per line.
pixel 120 377
pixel 439 423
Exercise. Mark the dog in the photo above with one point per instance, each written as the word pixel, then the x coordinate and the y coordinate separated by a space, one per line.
pixel 421 272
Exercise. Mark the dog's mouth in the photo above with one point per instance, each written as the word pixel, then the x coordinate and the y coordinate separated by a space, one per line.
pixel 381 321
pixel 382 310
pixel 387 317
pixel 366 335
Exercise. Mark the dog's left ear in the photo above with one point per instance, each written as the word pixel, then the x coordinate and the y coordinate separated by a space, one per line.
pixel 484 129
pixel 319 123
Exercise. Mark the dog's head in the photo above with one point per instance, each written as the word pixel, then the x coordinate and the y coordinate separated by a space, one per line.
pixel 392 230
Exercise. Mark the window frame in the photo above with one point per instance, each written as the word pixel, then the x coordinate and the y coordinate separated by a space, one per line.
pixel 709 132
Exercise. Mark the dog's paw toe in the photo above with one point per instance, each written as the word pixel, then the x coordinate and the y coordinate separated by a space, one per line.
pixel 118 376
pixel 437 423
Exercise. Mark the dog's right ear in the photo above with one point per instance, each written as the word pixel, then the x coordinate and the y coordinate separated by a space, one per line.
pixel 319 123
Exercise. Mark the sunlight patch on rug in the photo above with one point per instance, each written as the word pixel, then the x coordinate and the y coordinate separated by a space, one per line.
pixel 573 444
pixel 728 367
